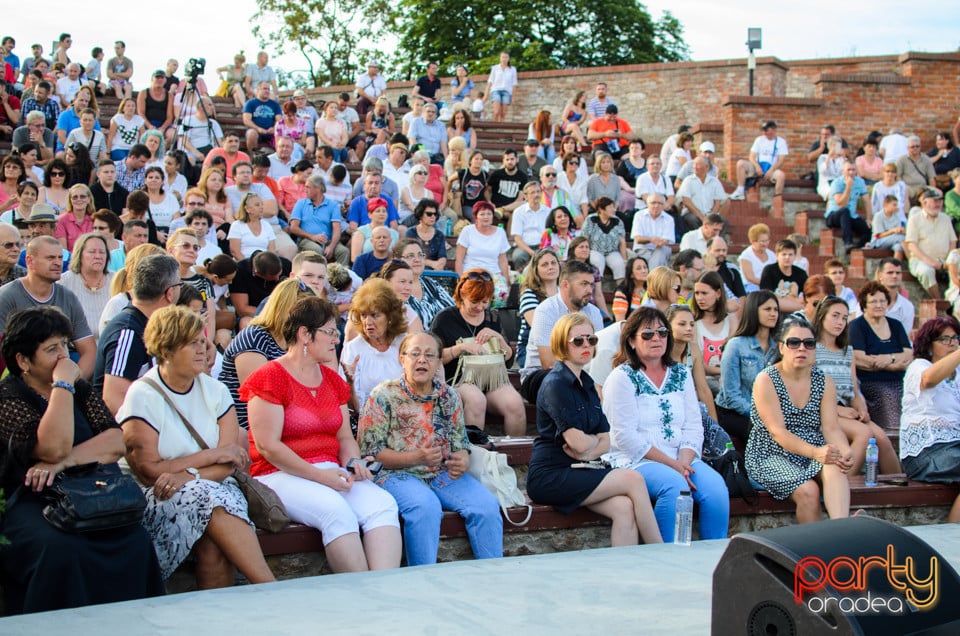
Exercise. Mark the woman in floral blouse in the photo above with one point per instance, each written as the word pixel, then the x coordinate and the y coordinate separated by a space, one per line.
pixel 655 425
pixel 414 426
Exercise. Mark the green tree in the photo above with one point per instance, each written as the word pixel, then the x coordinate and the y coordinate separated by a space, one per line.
pixel 539 34
pixel 328 34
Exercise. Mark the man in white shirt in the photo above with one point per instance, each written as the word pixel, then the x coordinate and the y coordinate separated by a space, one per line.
pixel 890 275
pixel 325 163
pixel 282 160
pixel 69 84
pixel 527 226
pixel 701 194
pixel 697 239
pixel 653 180
pixel 370 86
pixel 893 146
pixel 654 232
pixel 767 155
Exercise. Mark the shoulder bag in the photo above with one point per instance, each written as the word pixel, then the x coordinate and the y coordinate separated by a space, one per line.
pixel 265 508
pixel 486 371
pixel 490 468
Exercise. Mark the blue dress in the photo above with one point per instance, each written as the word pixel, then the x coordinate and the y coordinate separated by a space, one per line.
pixel 781 472
pixel 564 403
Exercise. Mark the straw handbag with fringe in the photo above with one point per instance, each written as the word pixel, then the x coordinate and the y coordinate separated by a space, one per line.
pixel 486 371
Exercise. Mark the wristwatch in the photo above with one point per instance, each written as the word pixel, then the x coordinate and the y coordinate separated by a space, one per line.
pixel 893 359
pixel 194 472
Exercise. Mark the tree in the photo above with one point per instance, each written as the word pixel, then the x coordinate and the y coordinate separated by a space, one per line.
pixel 539 34
pixel 328 34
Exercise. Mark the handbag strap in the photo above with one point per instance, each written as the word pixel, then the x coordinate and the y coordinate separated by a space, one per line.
pixel 193 432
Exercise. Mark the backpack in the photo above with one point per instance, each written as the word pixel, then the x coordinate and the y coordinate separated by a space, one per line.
pixel 734 473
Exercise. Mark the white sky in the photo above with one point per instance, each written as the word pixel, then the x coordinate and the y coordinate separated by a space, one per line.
pixel 714 30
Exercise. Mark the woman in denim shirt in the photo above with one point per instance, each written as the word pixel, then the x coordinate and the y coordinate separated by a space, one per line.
pixel 748 352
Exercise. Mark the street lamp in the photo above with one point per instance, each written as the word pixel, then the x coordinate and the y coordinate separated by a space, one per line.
pixel 754 37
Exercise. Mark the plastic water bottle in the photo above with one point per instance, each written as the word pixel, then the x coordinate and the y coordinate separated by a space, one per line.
pixel 729 448
pixel 683 528
pixel 873 457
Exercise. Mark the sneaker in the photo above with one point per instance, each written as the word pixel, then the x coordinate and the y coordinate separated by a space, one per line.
pixel 737 195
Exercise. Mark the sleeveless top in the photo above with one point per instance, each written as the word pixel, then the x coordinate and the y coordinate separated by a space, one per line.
pixel 711 344
pixel 156 110
pixel 836 364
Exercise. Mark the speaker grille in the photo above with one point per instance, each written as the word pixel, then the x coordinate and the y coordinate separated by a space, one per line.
pixel 770 619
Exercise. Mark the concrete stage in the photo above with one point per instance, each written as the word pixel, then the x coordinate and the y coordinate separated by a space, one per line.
pixel 663 589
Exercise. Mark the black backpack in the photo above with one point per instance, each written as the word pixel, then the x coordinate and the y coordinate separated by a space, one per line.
pixel 734 473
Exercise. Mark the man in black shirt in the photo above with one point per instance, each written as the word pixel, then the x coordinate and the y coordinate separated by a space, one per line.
pixel 783 279
pixel 107 193
pixel 256 279
pixel 717 247
pixel 530 163
pixel 503 185
pixel 429 85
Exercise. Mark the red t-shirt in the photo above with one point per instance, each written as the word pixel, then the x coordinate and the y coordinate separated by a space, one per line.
pixel 310 422
pixel 14 102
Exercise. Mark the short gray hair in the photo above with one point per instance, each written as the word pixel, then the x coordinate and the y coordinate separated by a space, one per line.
pixel 420 155
pixel 317 181
pixel 35 115
pixel 154 275
pixel 913 139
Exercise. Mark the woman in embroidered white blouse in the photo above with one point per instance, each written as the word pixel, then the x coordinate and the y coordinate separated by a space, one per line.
pixel 655 425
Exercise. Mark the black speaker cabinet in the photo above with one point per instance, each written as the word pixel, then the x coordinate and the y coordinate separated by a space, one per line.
pixel 846 576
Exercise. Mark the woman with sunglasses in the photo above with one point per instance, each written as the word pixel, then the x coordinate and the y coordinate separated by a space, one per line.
pixel 432 238
pixel 572 177
pixel 797 452
pixel 663 288
pixel 78 217
pixel 540 281
pixel 572 429
pixel 656 428
pixel 249 233
pixel 751 349
pixel 12 173
pixel 465 330
pixel 835 358
pixel 54 192
pixel 882 352
pixel 413 193
pixel 427 296
pixel 414 426
pixel 302 446
pixel 184 246
pixel 930 427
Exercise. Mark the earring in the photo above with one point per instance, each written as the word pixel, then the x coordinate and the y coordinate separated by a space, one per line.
pixel 304 350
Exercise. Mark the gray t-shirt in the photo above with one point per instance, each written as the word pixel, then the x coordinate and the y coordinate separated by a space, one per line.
pixel 14 296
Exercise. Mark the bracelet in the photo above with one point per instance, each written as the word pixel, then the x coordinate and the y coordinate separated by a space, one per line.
pixel 60 384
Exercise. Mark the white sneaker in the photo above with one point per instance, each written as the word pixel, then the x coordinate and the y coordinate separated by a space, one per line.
pixel 737 195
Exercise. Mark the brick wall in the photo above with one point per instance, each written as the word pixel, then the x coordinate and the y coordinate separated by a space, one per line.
pixel 915 91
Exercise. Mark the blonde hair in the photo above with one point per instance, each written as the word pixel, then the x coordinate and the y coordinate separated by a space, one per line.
pixel 79 187
pixel 660 281
pixel 169 329
pixel 78 251
pixel 757 230
pixel 377 295
pixel 172 239
pixel 123 280
pixel 242 214
pixel 560 334
pixel 278 306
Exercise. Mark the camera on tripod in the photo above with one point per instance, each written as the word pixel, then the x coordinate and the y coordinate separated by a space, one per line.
pixel 194 68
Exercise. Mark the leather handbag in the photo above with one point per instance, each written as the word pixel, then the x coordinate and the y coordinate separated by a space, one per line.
pixel 491 469
pixel 264 506
pixel 93 497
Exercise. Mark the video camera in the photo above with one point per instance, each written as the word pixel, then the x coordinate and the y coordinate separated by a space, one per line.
pixel 194 68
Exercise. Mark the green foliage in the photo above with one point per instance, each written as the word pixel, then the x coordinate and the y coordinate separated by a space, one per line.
pixel 328 34
pixel 539 34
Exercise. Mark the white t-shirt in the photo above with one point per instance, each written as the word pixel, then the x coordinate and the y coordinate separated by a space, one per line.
pixel 769 149
pixel 893 147
pixel 163 212
pixel 608 343
pixel 250 242
pixel 483 251
pixel 373 367
pixel 126 131
pixel 206 402
pixel 756 264
pixel 67 89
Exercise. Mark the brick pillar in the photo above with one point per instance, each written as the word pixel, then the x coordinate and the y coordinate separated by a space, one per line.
pixel 801 223
pixel 858 265
pixel 828 245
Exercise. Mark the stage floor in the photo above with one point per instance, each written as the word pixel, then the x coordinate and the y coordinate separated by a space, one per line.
pixel 663 589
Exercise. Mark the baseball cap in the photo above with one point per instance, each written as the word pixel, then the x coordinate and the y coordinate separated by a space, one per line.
pixel 707 146
pixel 928 193
pixel 158 73
pixel 770 124
pixel 531 142
pixel 612 109
pixel 299 93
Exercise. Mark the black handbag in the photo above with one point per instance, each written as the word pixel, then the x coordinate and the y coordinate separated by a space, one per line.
pixel 734 473
pixel 93 497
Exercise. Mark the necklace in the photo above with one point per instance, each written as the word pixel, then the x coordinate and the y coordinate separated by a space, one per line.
pixel 96 286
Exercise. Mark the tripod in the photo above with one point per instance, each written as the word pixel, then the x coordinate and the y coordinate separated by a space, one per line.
pixel 188 93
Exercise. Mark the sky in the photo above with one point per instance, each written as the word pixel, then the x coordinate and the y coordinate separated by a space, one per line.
pixel 713 30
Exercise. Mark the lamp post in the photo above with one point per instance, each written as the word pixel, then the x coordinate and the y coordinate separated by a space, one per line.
pixel 754 36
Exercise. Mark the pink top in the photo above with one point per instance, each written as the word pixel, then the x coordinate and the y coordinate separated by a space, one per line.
pixel 296 132
pixel 310 422
pixel 290 192
pixel 332 131
pixel 863 165
pixel 68 228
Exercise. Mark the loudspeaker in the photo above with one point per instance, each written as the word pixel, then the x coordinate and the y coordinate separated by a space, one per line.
pixel 846 576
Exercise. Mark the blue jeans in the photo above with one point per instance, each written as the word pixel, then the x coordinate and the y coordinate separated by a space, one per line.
pixel 547 153
pixel 421 507
pixel 665 484
pixel 340 155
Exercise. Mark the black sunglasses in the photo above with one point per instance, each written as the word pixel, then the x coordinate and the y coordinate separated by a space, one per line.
pixel 429 213
pixel 484 276
pixel 578 341
pixel 648 334
pixel 794 343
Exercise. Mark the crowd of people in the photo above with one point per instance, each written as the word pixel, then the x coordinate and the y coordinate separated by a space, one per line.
pixel 201 311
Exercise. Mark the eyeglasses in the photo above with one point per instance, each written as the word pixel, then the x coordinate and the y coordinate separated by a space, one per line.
pixel 648 334
pixel 414 256
pixel 549 174
pixel 180 284
pixel 329 331
pixel 79 197
pixel 578 341
pixel 677 288
pixel 946 340
pixel 878 302
pixel 429 356
pixel 189 246
pixel 9 245
pixel 794 343
pixel 430 213
pixel 482 276
pixel 57 173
